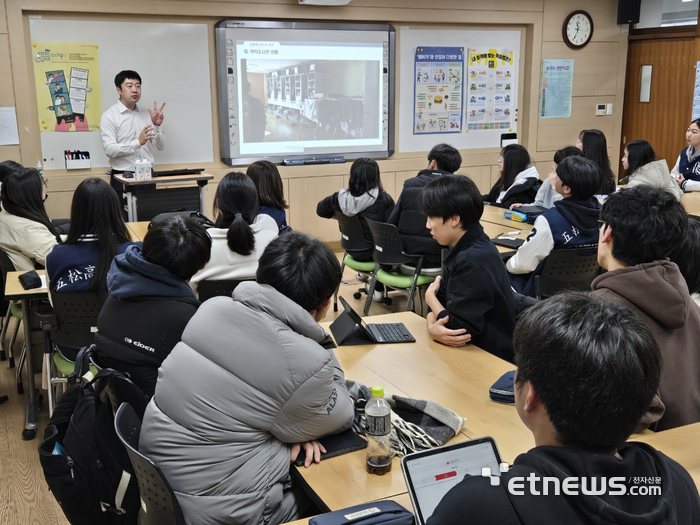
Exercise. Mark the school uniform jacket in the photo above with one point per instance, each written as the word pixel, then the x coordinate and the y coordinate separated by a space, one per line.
pixel 688 165
pixel 523 190
pixel 571 223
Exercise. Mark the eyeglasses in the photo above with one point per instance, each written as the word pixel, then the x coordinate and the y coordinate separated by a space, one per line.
pixel 45 181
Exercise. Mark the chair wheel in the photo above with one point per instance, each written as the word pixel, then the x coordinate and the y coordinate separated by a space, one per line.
pixel 28 435
pixel 11 363
pixel 387 301
pixel 357 295
pixel 3 399
pixel 3 356
pixel 20 388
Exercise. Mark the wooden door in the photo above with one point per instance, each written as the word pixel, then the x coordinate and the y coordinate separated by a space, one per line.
pixel 662 121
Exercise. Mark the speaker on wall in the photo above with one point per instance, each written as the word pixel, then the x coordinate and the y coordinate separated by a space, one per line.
pixel 628 11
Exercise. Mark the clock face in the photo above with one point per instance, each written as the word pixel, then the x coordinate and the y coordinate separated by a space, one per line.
pixel 579 29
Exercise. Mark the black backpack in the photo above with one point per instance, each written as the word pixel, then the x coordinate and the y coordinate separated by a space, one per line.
pixel 85 464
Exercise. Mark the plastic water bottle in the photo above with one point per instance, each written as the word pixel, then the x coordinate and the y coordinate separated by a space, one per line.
pixel 39 168
pixel 378 417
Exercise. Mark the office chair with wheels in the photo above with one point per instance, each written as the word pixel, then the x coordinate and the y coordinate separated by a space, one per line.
pixel 159 505
pixel 388 251
pixel 568 269
pixel 352 240
pixel 14 311
pixel 213 288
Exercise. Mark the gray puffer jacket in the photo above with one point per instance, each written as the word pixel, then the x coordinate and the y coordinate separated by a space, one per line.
pixel 251 376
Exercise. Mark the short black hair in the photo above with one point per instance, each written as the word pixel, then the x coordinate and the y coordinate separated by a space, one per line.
pixel 179 244
pixel 447 158
pixel 568 151
pixel 647 224
pixel 687 255
pixel 451 195
pixel 581 175
pixel 364 176
pixel 639 153
pixel 123 75
pixel 301 268
pixel 594 365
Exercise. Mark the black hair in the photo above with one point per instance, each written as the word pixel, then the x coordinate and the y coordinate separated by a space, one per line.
pixel 569 151
pixel 235 208
pixel 687 255
pixel 21 195
pixel 647 224
pixel 447 158
pixel 268 183
pixel 696 122
pixel 579 174
pixel 594 365
pixel 301 268
pixel 452 195
pixel 179 244
pixel 96 210
pixel 123 75
pixel 364 175
pixel 595 148
pixel 639 153
pixel 7 167
pixel 515 159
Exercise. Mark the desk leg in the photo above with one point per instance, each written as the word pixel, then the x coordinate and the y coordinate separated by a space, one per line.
pixel 202 205
pixel 131 206
pixel 31 415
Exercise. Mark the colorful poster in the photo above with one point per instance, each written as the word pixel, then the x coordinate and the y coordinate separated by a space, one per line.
pixel 67 78
pixel 491 90
pixel 438 93
pixel 696 94
pixel 557 86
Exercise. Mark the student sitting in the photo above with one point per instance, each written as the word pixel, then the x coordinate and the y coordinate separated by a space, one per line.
pixel 519 181
pixel 97 233
pixel 641 167
pixel 472 301
pixel 641 226
pixel 571 223
pixel 268 184
pixel 26 232
pixel 253 380
pixel 687 256
pixel 547 195
pixel 594 147
pixel 238 240
pixel 150 302
pixel 407 216
pixel 587 370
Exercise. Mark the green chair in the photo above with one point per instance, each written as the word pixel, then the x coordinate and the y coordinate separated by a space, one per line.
pixel 352 240
pixel 388 252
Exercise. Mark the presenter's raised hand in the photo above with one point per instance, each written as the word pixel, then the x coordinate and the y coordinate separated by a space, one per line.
pixel 146 134
pixel 157 114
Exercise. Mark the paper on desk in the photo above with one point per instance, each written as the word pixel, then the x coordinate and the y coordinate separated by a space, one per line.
pixel 43 280
pixel 8 127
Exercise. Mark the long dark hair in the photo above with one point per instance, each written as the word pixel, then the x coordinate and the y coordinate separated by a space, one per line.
pixel 639 153
pixel 96 211
pixel 595 148
pixel 364 175
pixel 515 159
pixel 268 184
pixel 21 196
pixel 235 208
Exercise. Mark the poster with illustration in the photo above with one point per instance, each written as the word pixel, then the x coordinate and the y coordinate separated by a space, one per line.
pixel 67 86
pixel 491 93
pixel 557 88
pixel 439 81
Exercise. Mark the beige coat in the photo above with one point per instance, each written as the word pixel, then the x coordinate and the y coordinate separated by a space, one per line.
pixel 26 242
pixel 655 174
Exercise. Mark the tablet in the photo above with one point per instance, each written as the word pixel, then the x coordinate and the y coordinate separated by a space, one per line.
pixel 430 474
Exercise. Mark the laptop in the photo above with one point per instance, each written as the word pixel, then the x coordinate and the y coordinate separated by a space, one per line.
pixel 172 173
pixel 532 209
pixel 350 329
pixel 430 474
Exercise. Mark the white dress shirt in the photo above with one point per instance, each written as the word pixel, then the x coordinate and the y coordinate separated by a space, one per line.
pixel 120 128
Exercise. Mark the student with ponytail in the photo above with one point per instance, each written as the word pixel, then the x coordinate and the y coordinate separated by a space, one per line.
pixel 238 240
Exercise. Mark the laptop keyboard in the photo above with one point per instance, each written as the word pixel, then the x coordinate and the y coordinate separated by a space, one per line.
pixel 392 332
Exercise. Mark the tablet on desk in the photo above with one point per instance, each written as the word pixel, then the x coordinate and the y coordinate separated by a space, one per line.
pixel 350 329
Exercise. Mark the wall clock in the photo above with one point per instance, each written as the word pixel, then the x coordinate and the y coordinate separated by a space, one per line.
pixel 577 29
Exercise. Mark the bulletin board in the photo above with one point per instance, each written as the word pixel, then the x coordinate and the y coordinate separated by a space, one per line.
pixel 501 48
pixel 173 61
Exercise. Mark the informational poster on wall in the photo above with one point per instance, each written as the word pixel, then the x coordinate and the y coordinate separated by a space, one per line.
pixel 557 87
pixel 67 81
pixel 696 94
pixel 439 90
pixel 490 96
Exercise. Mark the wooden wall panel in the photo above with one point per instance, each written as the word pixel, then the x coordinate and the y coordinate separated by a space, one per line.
pixel 663 120
pixel 481 175
pixel 595 66
pixel 304 195
pixel 555 133
pixel 603 12
pixel 7 92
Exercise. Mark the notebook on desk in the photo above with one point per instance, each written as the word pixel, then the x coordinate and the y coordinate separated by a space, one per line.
pixel 350 329
pixel 172 173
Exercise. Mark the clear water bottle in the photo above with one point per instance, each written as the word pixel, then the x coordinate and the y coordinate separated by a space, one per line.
pixel 39 168
pixel 378 417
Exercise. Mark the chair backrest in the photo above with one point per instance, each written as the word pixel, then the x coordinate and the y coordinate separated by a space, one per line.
pixel 212 288
pixel 352 234
pixel 159 503
pixel 120 389
pixel 76 318
pixel 570 269
pixel 5 266
pixel 388 248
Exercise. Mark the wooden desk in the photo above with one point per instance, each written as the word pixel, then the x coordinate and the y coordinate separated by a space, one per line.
pixel 680 444
pixel 494 214
pixel 130 184
pixel 691 202
pixel 401 499
pixel 15 292
pixel 496 230
pixel 138 229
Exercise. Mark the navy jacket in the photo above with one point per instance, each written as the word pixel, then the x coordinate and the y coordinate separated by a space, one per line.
pixel 280 217
pixel 690 169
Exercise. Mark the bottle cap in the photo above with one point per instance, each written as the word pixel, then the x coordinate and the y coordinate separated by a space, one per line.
pixel 377 391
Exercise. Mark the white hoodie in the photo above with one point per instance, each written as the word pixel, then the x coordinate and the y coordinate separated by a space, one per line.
pixel 528 173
